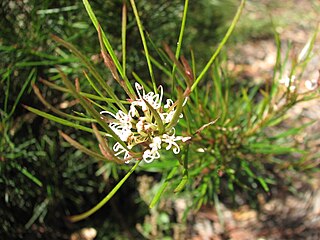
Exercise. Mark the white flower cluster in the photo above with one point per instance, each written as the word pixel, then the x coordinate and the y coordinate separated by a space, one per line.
pixel 289 82
pixel 311 84
pixel 139 126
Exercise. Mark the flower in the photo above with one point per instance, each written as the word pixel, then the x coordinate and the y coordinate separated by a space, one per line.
pixel 171 141
pixel 150 154
pixel 289 82
pixel 311 84
pixel 153 99
pixel 140 129
pixel 120 150
pixel 122 127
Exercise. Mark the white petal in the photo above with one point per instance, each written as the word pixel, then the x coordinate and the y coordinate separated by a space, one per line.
pixel 110 113
pixel 311 84
pixel 168 104
pixel 138 88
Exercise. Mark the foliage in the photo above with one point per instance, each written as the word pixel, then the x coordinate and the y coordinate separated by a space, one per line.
pixel 31 152
pixel 223 131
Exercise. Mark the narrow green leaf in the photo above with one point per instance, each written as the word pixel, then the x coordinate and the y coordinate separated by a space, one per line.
pixel 179 43
pixel 57 111
pixel 96 89
pixel 144 43
pixel 6 77
pixel 58 120
pixel 268 148
pixel 201 198
pixel 161 67
pixel 87 95
pixel 29 175
pixel 43 63
pixel 32 76
pixel 162 188
pixel 247 169
pixel 38 210
pixel 263 184
pixel 104 108
pixel 274 121
pixel 182 28
pixel 304 56
pixel 222 43
pixel 76 218
pixel 104 37
pixel 293 131
pixel 92 70
pixel 92 111
pixel 163 56
pixel 124 37
pixel 185 177
pixel 183 182
pixel 107 44
pixel 82 148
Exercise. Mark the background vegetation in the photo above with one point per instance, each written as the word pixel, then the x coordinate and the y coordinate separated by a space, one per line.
pixel 43 179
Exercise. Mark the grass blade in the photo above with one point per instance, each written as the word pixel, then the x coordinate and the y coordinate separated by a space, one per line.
pixel 32 76
pixel 28 174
